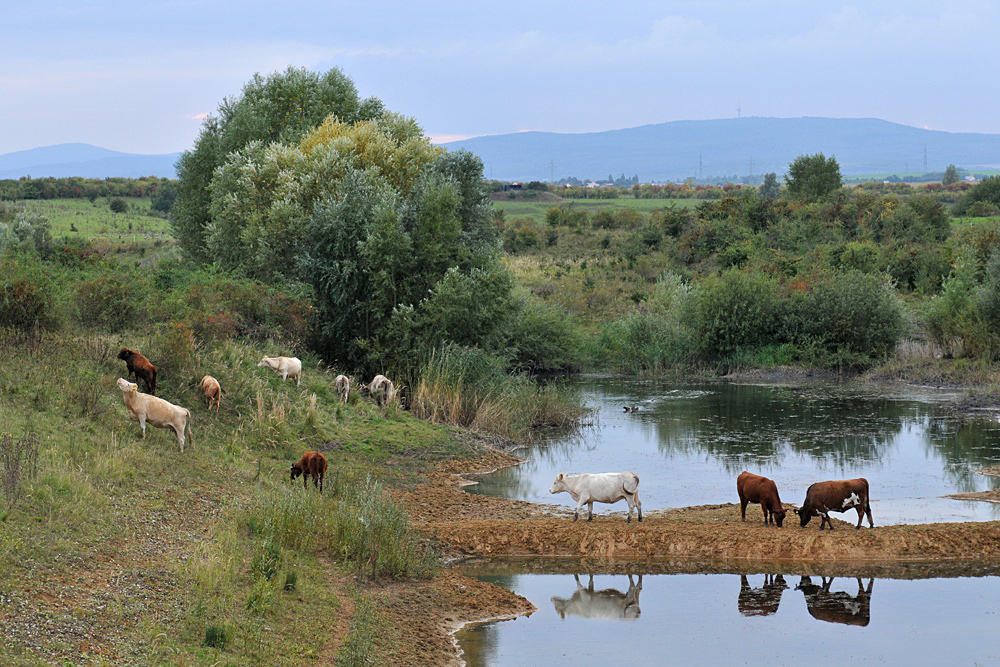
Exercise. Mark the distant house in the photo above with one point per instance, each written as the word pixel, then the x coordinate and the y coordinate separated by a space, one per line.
pixel 513 185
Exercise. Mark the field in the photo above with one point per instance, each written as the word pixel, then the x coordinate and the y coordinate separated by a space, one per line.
pixel 535 207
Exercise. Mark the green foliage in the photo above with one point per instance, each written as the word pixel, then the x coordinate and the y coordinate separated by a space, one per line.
pixel 27 231
pixel 950 175
pixel 812 177
pixel 216 637
pixel 112 301
pixel 543 337
pixel 987 191
pixel 117 205
pixel 770 188
pixel 26 294
pixel 163 198
pixel 739 309
pixel 852 312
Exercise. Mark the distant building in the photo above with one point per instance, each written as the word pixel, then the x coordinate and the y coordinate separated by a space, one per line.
pixel 513 185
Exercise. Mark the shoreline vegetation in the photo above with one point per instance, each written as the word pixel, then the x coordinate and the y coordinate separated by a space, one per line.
pixel 333 231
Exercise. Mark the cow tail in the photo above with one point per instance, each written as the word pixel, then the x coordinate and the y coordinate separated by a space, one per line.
pixel 626 491
pixel 188 426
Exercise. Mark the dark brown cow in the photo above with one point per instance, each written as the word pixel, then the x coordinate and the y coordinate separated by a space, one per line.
pixel 139 366
pixel 762 601
pixel 311 463
pixel 756 489
pixel 838 606
pixel 836 496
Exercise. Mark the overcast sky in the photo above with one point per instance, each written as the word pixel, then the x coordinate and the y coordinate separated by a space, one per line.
pixel 139 76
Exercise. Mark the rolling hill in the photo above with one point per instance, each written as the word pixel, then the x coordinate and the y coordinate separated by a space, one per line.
pixel 64 160
pixel 672 151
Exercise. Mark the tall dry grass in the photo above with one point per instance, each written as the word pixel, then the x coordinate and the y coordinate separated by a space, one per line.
pixel 468 387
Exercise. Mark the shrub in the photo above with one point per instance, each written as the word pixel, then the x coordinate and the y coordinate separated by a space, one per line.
pixel 543 337
pixel 216 637
pixel 112 301
pixel 26 295
pixel 850 311
pixel 739 309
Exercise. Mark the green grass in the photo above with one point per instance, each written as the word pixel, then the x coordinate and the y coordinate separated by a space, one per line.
pixel 156 548
pixel 133 236
pixel 536 209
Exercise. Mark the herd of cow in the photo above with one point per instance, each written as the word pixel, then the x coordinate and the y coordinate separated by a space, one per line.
pixel 821 498
pixel 149 409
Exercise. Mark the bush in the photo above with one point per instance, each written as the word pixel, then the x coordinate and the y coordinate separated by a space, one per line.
pixel 26 296
pixel 112 302
pixel 739 309
pixel 543 337
pixel 847 312
pixel 117 205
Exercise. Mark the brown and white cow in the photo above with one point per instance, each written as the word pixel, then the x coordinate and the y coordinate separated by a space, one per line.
pixel 212 390
pixel 837 606
pixel 756 489
pixel 836 496
pixel 311 463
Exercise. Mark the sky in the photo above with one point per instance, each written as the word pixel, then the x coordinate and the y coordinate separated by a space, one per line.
pixel 140 77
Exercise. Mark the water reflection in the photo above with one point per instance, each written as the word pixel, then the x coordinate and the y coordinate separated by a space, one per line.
pixel 761 601
pixel 688 443
pixel 837 606
pixel 607 603
pixel 944 609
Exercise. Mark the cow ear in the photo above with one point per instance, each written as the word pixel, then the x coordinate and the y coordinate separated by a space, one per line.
pixel 561 475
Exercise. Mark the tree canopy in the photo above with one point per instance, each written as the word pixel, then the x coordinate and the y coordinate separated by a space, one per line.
pixel 812 177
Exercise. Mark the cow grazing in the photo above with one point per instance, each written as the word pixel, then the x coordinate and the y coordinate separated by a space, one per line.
pixel 311 463
pixel 609 603
pixel 836 496
pixel 343 386
pixel 145 408
pixel 380 389
pixel 837 606
pixel 140 367
pixel 286 367
pixel 762 601
pixel 212 390
pixel 607 487
pixel 756 489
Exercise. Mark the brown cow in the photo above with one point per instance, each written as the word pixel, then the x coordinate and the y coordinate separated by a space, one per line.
pixel 212 390
pixel 756 489
pixel 838 606
pixel 836 496
pixel 762 601
pixel 311 463
pixel 139 366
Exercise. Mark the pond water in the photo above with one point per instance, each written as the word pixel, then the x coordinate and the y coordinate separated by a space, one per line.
pixel 729 619
pixel 689 442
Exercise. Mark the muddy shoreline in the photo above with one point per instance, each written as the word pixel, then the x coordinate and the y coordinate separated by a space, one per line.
pixel 478 533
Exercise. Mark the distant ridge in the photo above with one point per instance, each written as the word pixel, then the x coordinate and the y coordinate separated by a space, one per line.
pixel 85 160
pixel 725 147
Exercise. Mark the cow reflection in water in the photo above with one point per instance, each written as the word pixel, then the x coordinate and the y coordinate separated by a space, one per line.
pixel 839 606
pixel 608 603
pixel 761 601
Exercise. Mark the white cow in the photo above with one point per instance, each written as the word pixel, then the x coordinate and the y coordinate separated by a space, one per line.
pixel 605 487
pixel 286 367
pixel 381 389
pixel 609 603
pixel 158 412
pixel 343 386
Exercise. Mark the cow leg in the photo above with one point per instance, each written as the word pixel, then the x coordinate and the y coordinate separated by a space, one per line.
pixel 763 507
pixel 142 425
pixel 590 511
pixel 638 504
pixel 868 511
pixel 861 515
pixel 743 508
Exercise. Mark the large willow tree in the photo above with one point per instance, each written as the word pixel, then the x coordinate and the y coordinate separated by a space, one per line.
pixel 298 180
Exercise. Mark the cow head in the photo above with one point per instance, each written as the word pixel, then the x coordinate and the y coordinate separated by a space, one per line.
pixel 296 471
pixel 266 361
pixel 127 386
pixel 559 484
pixel 124 353
pixel 778 516
pixel 804 516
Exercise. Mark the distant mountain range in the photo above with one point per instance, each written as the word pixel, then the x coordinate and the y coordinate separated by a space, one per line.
pixel 727 147
pixel 63 160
